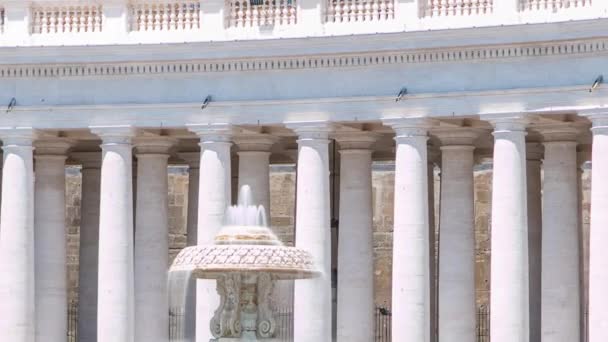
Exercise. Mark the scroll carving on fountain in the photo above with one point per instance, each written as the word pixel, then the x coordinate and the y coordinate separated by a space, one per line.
pixel 246 261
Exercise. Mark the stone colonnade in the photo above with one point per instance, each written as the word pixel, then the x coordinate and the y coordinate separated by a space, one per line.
pixel 123 275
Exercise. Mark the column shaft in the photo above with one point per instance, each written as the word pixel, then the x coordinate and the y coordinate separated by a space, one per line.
pixel 509 315
pixel 50 253
pixel 457 246
pixel 560 244
pixel 355 248
pixel 312 299
pixel 152 242
pixel 533 181
pixel 254 171
pixel 214 197
pixel 411 274
pixel 89 246
pixel 598 239
pixel 115 308
pixel 17 308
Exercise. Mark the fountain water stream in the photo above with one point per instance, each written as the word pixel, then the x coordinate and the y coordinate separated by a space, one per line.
pixel 246 260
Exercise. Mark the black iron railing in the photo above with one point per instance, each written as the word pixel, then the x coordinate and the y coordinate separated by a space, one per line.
pixel 72 321
pixel 384 318
pixel 483 324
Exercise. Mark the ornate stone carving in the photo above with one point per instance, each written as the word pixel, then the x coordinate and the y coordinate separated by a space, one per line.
pixel 266 321
pixel 226 320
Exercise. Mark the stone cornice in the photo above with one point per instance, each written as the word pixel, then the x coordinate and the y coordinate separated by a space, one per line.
pixel 327 60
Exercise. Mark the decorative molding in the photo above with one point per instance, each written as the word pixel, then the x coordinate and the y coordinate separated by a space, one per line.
pixel 438 55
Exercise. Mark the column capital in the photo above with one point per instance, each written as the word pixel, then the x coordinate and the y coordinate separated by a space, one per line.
pixel 506 123
pixel 57 147
pixel 212 132
pixel 598 117
pixel 311 130
pixel 255 142
pixel 17 136
pixel 458 136
pixel 410 127
pixel 534 151
pixel 193 159
pixel 153 145
pixel 559 133
pixel 121 134
pixel 352 141
pixel 88 160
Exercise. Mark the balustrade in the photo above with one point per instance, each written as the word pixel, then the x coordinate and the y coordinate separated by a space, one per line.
pixel 531 5
pixel 67 19
pixel 359 10
pixel 165 16
pixel 261 12
pixel 435 8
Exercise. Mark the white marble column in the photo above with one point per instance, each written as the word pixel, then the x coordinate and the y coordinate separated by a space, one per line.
pixel 411 272
pixel 457 313
pixel 312 298
pixel 534 154
pixel 50 241
pixel 254 167
pixel 152 240
pixel 560 240
pixel 509 315
pixel 89 244
pixel 17 301
pixel 115 307
pixel 355 319
pixel 194 162
pixel 214 197
pixel 598 239
pixel 433 154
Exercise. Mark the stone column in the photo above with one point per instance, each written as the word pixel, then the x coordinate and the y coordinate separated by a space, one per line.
pixel 152 240
pixel 533 181
pixel 89 245
pixel 457 313
pixel 193 161
pixel 560 240
pixel 355 321
pixel 433 155
pixel 115 308
pixel 17 311
pixel 312 298
pixel 411 274
pixel 509 315
pixel 214 198
pixel 50 241
pixel 254 167
pixel 598 235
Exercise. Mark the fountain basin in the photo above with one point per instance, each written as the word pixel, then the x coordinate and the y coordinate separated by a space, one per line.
pixel 213 261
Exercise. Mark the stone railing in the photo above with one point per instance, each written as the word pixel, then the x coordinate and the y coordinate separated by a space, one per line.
pixel 243 13
pixel 67 19
pixel 165 16
pixel 434 8
pixel 532 5
pixel 338 11
pixel 99 22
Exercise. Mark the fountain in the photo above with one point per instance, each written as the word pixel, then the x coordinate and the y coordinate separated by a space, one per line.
pixel 246 260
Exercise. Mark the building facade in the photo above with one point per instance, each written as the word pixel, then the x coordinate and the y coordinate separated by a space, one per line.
pixel 125 88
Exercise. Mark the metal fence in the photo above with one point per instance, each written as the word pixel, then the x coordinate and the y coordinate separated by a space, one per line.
pixel 72 321
pixel 383 319
pixel 483 324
